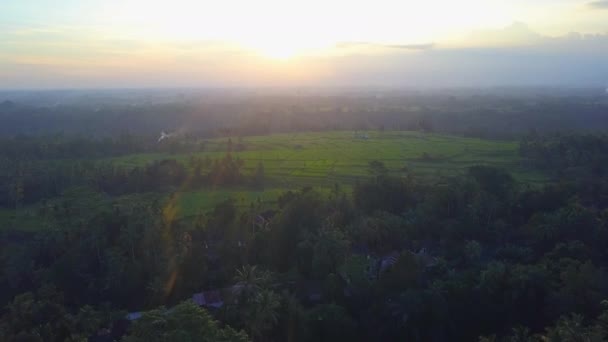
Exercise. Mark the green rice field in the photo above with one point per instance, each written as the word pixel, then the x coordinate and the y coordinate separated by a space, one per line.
pixel 292 161
pixel 320 160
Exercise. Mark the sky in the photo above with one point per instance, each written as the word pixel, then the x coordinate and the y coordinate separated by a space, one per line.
pixel 346 43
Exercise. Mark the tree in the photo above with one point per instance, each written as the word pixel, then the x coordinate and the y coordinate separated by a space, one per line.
pixel 262 313
pixel 229 146
pixel 251 279
pixel 42 316
pixel 331 322
pixel 425 124
pixel 17 192
pixel 259 176
pixel 582 287
pixel 329 251
pixel 385 193
pixel 404 274
pixel 377 169
pixel 184 322
pixel 493 180
pixel 472 251
pixel 256 307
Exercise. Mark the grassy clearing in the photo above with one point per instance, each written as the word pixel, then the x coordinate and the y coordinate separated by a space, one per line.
pixel 24 218
pixel 293 161
pixel 193 203
pixel 322 159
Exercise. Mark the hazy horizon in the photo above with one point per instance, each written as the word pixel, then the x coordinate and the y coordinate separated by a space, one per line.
pixel 92 44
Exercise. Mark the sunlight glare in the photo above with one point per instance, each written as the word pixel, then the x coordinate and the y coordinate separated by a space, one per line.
pixel 284 29
pixel 278 52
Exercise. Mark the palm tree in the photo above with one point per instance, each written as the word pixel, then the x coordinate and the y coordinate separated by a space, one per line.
pixel 262 313
pixel 257 305
pixel 251 280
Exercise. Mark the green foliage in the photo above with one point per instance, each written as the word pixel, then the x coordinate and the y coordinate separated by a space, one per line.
pixel 251 280
pixel 259 176
pixel 329 251
pixel 377 169
pixel 261 313
pixel 184 322
pixel 355 271
pixel 492 180
pixel 330 322
pixel 255 306
pixel 404 274
pixel 403 258
pixel 43 316
pixel 386 194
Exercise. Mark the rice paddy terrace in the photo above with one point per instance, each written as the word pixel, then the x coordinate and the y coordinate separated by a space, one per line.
pixel 292 161
pixel 321 159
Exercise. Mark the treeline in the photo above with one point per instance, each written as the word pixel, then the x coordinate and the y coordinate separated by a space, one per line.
pixel 573 327
pixel 493 114
pixel 580 160
pixel 399 259
pixel 567 152
pixel 169 173
pixel 29 182
pixel 29 148
pixel 23 147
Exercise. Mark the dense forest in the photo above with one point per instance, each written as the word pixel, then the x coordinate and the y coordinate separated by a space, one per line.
pixel 476 256
pixel 471 256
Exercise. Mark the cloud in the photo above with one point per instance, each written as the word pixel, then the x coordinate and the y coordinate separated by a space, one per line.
pixel 369 45
pixel 514 55
pixel 599 4
pixel 517 33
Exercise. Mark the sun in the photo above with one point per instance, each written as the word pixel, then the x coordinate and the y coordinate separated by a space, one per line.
pixel 287 48
pixel 279 52
pixel 278 49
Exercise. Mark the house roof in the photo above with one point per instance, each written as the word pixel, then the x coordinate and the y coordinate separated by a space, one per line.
pixel 132 316
pixel 199 299
pixel 389 260
pixel 208 298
